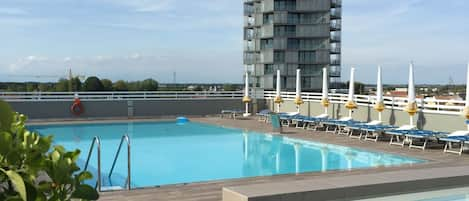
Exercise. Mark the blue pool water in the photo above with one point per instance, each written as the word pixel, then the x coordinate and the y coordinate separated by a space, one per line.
pixel 171 153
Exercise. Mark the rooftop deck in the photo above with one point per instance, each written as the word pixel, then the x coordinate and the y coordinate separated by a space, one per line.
pixel 211 191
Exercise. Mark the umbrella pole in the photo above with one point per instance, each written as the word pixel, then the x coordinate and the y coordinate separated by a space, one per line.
pixel 380 114
pixel 350 113
pixel 278 107
pixel 411 118
pixel 247 109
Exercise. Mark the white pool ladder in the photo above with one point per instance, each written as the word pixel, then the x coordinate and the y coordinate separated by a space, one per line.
pixel 96 140
pixel 127 182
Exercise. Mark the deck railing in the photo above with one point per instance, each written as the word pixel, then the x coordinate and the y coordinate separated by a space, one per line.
pixel 427 105
pixel 112 96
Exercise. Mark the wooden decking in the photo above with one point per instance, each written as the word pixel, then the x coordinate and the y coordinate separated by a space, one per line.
pixel 212 191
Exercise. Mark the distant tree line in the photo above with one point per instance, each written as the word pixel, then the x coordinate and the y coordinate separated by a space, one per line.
pixel 92 83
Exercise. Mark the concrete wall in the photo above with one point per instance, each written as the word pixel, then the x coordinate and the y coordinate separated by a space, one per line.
pixel 429 121
pixel 124 108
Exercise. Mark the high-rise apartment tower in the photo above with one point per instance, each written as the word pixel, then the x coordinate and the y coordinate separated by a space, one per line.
pixel 291 34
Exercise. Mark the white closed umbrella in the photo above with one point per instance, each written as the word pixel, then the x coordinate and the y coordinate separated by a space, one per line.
pixel 379 94
pixel 350 105
pixel 466 109
pixel 278 98
pixel 411 107
pixel 246 98
pixel 325 90
pixel 298 99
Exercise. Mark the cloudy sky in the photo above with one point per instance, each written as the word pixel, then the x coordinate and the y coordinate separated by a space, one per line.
pixel 202 40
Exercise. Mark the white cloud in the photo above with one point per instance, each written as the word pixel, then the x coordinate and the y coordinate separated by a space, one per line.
pixel 21 63
pixel 144 5
pixel 12 11
pixel 189 66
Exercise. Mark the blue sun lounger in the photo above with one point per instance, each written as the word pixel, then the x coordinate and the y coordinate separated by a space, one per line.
pixel 338 125
pixel 263 115
pixel 286 118
pixel 351 129
pixel 312 123
pixel 398 133
pixel 459 137
pixel 422 135
pixel 231 113
pixel 371 132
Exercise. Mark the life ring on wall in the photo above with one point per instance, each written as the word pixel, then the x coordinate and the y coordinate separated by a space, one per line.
pixel 77 107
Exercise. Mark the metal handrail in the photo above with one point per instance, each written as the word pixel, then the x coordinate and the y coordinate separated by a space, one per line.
pixel 96 140
pixel 124 138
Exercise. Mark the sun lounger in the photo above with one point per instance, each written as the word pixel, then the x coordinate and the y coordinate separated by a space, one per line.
pixel 313 123
pixel 263 115
pixel 303 121
pixel 231 113
pixel 398 133
pixel 422 135
pixel 335 125
pixel 349 130
pixel 374 132
pixel 459 138
pixel 286 118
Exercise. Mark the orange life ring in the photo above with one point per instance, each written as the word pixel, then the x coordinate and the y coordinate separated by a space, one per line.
pixel 77 107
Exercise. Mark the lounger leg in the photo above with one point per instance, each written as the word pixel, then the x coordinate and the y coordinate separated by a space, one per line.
pixel 462 148
pixel 397 140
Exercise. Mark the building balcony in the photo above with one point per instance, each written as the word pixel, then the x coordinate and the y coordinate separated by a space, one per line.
pixel 335 50
pixel 251 1
pixel 336 13
pixel 336 25
pixel 336 3
pixel 335 62
pixel 334 71
pixel 335 38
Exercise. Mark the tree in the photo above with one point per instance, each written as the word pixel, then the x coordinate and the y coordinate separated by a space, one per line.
pixel 76 84
pixel 359 88
pixel 198 88
pixel 149 85
pixel 31 87
pixel 30 169
pixel 107 84
pixel 229 87
pixel 121 85
pixel 93 84
pixel 43 87
pixel 62 85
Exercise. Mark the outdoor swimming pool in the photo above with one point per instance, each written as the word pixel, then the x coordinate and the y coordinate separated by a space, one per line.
pixel 168 153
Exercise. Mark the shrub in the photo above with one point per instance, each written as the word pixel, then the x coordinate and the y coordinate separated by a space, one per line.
pixel 30 169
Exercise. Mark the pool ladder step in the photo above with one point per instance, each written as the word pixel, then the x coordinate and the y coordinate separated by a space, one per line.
pixel 96 140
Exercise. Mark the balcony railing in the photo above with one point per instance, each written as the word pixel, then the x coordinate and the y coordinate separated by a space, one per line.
pixel 335 62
